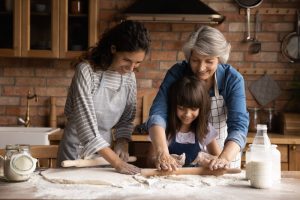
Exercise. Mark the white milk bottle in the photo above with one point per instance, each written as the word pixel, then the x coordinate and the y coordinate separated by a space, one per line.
pixel 261 175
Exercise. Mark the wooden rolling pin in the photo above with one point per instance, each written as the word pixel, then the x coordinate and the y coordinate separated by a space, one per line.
pixel 90 162
pixel 190 171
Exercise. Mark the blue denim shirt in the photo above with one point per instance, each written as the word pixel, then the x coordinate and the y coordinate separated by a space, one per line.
pixel 231 87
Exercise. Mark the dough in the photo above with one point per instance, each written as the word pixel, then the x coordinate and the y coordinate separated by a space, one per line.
pixel 93 176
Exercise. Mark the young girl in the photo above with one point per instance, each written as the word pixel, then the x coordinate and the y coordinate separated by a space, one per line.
pixel 188 130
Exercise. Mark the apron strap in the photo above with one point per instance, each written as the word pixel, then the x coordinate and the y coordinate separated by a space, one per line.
pixel 216 89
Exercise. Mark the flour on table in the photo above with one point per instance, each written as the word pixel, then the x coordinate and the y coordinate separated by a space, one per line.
pixel 92 176
pixel 92 183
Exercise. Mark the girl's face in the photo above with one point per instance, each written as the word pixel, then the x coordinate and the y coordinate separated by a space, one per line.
pixel 187 115
pixel 203 67
pixel 125 62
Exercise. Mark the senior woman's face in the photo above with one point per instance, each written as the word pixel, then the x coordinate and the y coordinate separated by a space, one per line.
pixel 203 67
pixel 125 62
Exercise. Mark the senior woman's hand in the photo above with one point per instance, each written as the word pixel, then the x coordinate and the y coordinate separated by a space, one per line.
pixel 210 161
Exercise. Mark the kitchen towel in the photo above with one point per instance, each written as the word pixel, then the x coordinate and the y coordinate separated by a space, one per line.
pixel 265 90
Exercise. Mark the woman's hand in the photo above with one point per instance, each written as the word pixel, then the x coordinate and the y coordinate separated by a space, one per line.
pixel 210 161
pixel 121 149
pixel 117 163
pixel 125 168
pixel 164 161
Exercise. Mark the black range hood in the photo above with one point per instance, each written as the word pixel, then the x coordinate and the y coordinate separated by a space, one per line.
pixel 182 11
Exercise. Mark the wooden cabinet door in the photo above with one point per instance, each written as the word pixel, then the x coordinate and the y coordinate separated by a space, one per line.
pixel 78 29
pixel 10 20
pixel 40 36
pixel 294 157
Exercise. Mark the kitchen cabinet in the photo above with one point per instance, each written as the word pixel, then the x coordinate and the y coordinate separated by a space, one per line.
pixel 294 157
pixel 289 147
pixel 47 28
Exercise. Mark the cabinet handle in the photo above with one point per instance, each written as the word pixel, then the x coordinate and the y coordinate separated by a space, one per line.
pixel 294 147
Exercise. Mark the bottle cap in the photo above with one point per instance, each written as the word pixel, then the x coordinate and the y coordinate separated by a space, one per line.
pixel 261 127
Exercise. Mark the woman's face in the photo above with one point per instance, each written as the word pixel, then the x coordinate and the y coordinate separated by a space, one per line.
pixel 203 67
pixel 125 62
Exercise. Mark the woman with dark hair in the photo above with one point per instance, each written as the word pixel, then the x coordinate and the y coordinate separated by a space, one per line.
pixel 188 131
pixel 102 97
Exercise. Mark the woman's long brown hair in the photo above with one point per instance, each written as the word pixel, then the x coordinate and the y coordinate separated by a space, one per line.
pixel 189 92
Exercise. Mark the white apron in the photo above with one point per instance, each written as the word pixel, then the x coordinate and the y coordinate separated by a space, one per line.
pixel 217 118
pixel 109 104
pixel 109 111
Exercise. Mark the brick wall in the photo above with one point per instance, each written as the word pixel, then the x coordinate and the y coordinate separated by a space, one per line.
pixel 48 77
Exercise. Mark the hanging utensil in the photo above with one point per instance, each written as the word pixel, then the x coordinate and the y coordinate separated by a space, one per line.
pixel 248 4
pixel 256 45
pixel 290 46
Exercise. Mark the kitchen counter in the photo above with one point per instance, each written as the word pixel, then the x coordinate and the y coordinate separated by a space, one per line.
pixel 38 188
pixel 56 137
pixel 275 138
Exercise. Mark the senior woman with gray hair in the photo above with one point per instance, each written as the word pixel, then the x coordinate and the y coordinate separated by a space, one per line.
pixel 206 53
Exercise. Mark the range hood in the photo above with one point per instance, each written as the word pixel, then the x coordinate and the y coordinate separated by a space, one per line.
pixel 180 11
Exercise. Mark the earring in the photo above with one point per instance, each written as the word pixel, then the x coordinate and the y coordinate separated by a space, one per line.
pixel 113 49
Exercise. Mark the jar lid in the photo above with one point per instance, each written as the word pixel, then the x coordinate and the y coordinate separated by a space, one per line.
pixel 12 147
pixel 23 164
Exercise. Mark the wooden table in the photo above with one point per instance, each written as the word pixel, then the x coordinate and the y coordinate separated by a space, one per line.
pixel 287 189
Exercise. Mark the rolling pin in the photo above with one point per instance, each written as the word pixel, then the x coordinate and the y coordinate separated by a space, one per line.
pixel 189 171
pixel 90 162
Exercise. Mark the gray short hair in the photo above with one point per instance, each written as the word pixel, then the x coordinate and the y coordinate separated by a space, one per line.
pixel 207 41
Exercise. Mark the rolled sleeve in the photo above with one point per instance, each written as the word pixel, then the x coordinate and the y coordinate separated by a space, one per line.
pixel 237 137
pixel 156 120
pixel 93 146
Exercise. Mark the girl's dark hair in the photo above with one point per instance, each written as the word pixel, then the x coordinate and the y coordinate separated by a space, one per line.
pixel 189 92
pixel 128 36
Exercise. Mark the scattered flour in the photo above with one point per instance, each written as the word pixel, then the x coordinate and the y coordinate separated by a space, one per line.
pixel 163 187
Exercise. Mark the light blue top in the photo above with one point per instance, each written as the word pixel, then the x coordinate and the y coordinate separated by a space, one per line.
pixel 231 87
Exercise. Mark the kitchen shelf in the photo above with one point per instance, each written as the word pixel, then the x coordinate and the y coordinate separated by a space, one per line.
pixel 270 11
pixel 268 71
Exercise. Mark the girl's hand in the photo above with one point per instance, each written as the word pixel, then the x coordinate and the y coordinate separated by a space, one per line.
pixel 121 149
pixel 125 168
pixel 164 161
pixel 180 159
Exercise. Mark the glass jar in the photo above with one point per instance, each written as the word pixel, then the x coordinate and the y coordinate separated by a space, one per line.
pixel 254 118
pixel 276 163
pixel 248 163
pixel 18 163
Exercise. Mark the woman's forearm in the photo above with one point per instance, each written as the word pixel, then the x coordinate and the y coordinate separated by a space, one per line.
pixel 158 138
pixel 230 150
pixel 110 156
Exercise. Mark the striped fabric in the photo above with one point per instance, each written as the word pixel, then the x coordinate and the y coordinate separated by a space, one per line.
pixel 80 106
